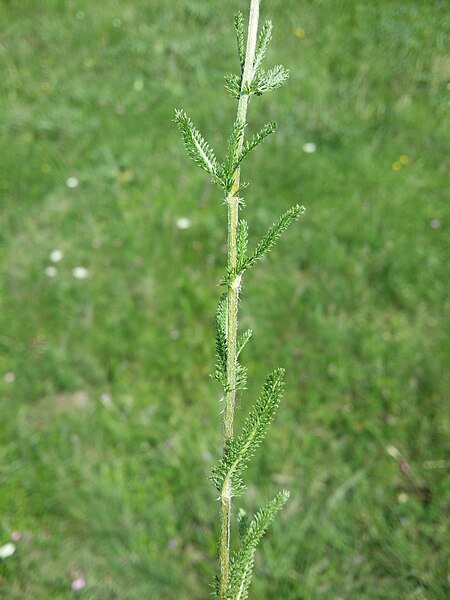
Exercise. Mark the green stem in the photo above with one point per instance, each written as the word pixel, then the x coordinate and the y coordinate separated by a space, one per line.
pixel 233 299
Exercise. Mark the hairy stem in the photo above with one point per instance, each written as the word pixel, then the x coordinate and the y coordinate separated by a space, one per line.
pixel 233 299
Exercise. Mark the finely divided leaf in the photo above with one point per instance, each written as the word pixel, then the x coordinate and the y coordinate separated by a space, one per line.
pixel 274 232
pixel 239 25
pixel 266 82
pixel 242 241
pixel 241 377
pixel 241 564
pixel 197 147
pixel 263 41
pixel 239 451
pixel 233 85
pixel 256 140
pixel 234 143
pixel 243 522
pixel 242 342
pixel 220 374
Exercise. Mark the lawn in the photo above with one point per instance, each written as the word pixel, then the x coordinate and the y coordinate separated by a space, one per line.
pixel 109 420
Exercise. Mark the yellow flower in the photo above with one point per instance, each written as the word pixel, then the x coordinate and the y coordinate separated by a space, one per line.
pixel 404 159
pixel 396 165
pixel 299 32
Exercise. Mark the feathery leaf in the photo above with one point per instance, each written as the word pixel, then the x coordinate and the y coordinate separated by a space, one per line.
pixel 243 522
pixel 241 377
pixel 263 41
pixel 256 140
pixel 240 450
pixel 241 564
pixel 234 142
pixel 242 342
pixel 197 147
pixel 268 81
pixel 220 374
pixel 242 241
pixel 233 85
pixel 239 25
pixel 272 235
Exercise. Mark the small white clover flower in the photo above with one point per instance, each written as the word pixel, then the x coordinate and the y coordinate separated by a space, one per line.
pixel 7 550
pixel 435 223
pixel 80 273
pixel 9 377
pixel 51 271
pixel 183 223
pixel 72 182
pixel 56 255
pixel 309 147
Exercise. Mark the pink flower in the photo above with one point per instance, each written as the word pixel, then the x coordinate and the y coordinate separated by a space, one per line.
pixel 78 584
pixel 16 536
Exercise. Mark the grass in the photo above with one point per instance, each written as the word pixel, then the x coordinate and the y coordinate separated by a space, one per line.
pixel 111 416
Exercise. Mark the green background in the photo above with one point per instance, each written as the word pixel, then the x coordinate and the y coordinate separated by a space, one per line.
pixel 109 421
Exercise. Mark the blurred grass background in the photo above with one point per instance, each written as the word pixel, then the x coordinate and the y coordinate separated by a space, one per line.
pixel 109 422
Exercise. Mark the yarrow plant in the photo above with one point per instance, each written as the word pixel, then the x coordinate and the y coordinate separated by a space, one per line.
pixel 235 569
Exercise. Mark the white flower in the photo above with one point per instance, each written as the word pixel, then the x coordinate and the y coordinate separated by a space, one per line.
pixel 56 255
pixel 80 272
pixel 309 147
pixel 9 377
pixel 435 223
pixel 7 550
pixel 72 182
pixel 51 271
pixel 183 223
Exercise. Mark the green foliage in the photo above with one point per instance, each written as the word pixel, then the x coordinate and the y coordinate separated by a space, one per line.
pixel 242 241
pixel 243 522
pixel 196 146
pixel 242 341
pixel 240 450
pixel 241 564
pixel 220 373
pixel 271 237
pixel 268 81
pixel 256 140
pixel 227 475
pixel 357 327
pixel 261 81
pixel 263 42
pixel 233 84
pixel 239 25
pixel 233 154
